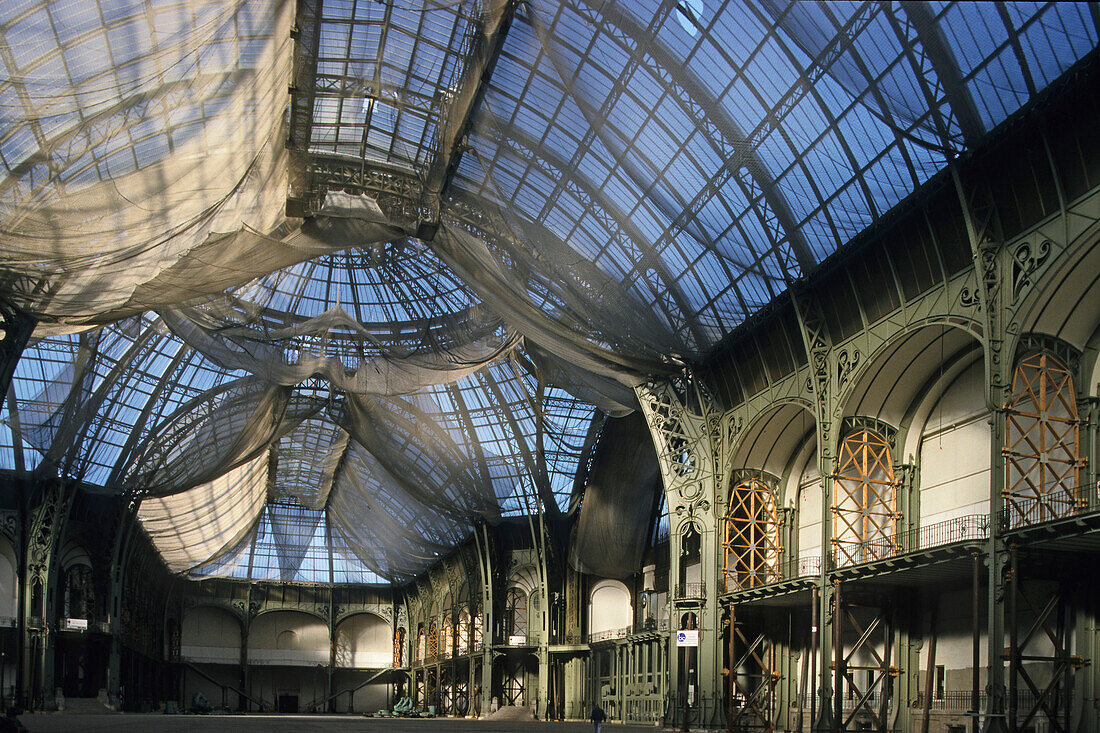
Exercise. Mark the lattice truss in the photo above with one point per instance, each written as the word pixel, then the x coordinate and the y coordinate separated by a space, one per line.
pixel 1042 443
pixel 865 513
pixel 752 549
pixel 517 213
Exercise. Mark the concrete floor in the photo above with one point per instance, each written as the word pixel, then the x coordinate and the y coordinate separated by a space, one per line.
pixel 159 723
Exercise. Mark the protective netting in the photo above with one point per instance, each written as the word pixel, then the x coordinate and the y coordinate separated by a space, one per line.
pixel 489 260
pixel 396 479
pixel 135 150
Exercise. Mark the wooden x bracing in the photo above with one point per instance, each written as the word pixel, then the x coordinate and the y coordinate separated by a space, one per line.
pixel 752 550
pixel 865 512
pixel 1042 443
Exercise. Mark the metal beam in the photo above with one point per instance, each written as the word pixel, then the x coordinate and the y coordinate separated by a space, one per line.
pixel 943 63
pixel 457 118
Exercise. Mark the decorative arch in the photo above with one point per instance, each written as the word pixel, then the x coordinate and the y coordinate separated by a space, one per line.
pixel 865 499
pixel 1042 442
pixel 752 550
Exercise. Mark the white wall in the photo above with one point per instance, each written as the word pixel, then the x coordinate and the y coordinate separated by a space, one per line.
pixel 210 635
pixel 364 641
pixel 809 508
pixel 307 644
pixel 955 452
pixel 609 607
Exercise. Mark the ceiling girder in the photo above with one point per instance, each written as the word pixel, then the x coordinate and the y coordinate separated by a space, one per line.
pixel 458 117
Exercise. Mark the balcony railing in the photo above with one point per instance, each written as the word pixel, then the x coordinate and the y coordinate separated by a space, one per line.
pixel 1019 512
pixel 691 591
pixel 791 569
pixel 969 528
pixel 609 634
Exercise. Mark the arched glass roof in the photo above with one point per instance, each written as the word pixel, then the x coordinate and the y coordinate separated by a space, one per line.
pixel 501 217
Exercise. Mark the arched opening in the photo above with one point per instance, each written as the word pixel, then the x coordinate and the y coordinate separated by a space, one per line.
pixel 752 549
pixel 9 589
pixel 399 647
pixel 363 642
pixel 691 569
pixel 79 592
pixel 478 630
pixel 1042 443
pixel 421 643
pixel 865 516
pixel 464 631
pixel 433 640
pixel 448 641
pixel 210 639
pixel 609 611
pixel 287 640
pixel 515 616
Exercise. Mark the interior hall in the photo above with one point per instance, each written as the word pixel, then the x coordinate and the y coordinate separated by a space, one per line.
pixel 548 364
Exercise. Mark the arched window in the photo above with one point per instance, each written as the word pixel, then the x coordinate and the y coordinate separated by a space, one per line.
pixel 515 613
pixel 286 640
pixel 433 641
pixel 421 643
pixel 1042 443
pixel 79 592
pixel 448 636
pixel 752 537
pixel 399 647
pixel 464 631
pixel 477 630
pixel 865 494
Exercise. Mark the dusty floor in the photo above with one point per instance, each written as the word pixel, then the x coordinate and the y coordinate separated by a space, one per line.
pixel 159 723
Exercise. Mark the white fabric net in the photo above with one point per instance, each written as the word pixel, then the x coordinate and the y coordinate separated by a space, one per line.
pixel 511 214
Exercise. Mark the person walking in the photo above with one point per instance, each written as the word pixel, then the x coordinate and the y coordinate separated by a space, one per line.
pixel 597 716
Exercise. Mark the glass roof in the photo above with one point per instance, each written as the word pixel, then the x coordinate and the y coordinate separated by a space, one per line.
pixel 502 217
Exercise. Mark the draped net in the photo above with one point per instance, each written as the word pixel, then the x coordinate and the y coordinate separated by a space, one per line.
pixel 489 264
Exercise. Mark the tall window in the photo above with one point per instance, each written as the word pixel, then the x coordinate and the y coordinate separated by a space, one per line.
pixel 752 537
pixel 448 635
pixel 79 592
pixel 421 644
pixel 433 640
pixel 477 630
pixel 1042 443
pixel 515 612
pixel 865 494
pixel 399 647
pixel 464 631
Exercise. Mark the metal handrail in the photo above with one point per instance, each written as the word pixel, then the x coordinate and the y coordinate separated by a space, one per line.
pixel 609 634
pixel 968 528
pixel 689 591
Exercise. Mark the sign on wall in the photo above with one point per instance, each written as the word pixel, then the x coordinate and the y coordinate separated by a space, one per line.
pixel 686 637
pixel 78 624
